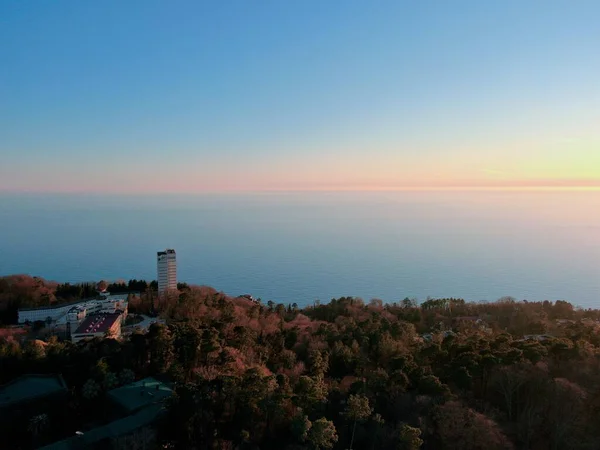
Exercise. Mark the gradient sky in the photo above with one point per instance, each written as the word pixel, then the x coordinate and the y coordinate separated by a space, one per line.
pixel 174 96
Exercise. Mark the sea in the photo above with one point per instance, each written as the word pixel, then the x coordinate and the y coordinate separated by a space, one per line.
pixel 304 247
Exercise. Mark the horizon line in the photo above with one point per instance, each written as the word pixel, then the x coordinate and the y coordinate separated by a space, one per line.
pixel 544 188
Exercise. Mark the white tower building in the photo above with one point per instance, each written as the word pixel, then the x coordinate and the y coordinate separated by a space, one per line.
pixel 167 270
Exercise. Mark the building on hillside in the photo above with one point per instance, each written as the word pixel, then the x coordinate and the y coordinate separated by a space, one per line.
pixel 82 310
pixel 166 262
pixel 30 389
pixel 590 322
pixel 429 336
pixel 138 406
pixel 46 313
pixel 536 337
pixel 28 402
pixel 114 303
pixel 143 393
pixel 473 321
pixel 76 314
pixel 99 325
pixel 92 307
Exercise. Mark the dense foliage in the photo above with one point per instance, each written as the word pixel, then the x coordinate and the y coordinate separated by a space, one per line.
pixel 343 375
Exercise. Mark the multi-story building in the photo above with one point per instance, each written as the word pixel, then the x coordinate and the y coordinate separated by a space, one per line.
pixel 82 310
pixel 99 325
pixel 114 303
pixel 167 270
pixel 76 314
pixel 76 311
pixel 45 313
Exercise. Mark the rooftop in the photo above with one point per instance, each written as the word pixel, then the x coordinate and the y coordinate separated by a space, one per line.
pixel 141 399
pixel 118 297
pixel 140 394
pixel 98 323
pixel 30 387
pixel 165 252
pixel 104 297
pixel 84 305
pixel 57 305
pixel 113 429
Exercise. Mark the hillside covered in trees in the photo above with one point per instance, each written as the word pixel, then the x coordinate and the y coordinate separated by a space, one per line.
pixel 445 374
pixel 24 291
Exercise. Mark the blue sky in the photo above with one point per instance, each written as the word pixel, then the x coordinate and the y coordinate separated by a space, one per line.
pixel 144 96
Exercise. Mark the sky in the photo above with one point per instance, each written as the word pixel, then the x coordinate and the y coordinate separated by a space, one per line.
pixel 186 96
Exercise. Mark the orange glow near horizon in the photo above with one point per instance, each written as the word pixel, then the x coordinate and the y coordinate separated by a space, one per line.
pixel 354 171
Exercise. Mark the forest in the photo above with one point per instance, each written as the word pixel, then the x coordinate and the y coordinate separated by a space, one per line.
pixel 348 374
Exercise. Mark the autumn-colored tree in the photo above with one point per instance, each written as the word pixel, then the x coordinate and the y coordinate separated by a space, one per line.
pixel 446 375
pixel 461 428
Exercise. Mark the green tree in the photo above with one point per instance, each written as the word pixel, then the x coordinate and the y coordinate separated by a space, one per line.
pixel 409 438
pixel 100 371
pixel 310 392
pixel 188 342
pixel 126 376
pixel 91 389
pixel 300 426
pixel 110 381
pixel 160 343
pixel 322 434
pixel 357 409
pixel 431 385
pixel 318 361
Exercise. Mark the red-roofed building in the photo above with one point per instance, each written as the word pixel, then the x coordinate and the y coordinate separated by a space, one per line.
pixel 98 325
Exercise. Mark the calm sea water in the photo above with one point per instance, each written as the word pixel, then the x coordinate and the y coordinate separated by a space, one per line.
pixel 299 247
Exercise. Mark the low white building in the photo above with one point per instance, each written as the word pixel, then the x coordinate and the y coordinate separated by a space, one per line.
pixel 114 303
pixel 46 313
pixel 76 311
